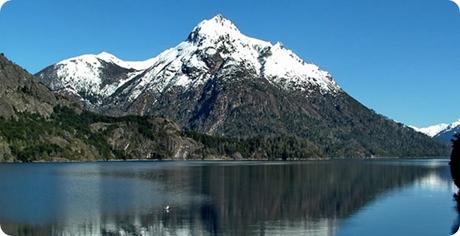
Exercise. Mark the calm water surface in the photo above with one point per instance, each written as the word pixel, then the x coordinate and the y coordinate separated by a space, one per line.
pixel 344 198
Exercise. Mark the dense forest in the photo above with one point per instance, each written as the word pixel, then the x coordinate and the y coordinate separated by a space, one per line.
pixel 74 135
pixel 70 134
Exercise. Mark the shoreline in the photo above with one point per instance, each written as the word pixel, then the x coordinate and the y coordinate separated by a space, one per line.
pixel 234 160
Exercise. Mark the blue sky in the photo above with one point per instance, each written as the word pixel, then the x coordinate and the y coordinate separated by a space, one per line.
pixel 398 57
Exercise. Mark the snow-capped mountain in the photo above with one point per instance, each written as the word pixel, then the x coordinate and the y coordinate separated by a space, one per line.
pixel 443 132
pixel 213 44
pixel 222 82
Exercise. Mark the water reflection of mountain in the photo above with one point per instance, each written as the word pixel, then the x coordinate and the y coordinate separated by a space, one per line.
pixel 226 199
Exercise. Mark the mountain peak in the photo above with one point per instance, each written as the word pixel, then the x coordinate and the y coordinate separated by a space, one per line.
pixel 107 56
pixel 213 29
pixel 221 21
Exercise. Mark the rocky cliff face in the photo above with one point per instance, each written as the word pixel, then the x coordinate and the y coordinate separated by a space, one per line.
pixel 21 92
pixel 163 139
pixel 222 82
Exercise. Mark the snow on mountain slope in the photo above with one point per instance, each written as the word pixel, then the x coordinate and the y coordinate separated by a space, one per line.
pixel 188 65
pixel 454 125
pixel 137 65
pixel 448 134
pixel 441 131
pixel 92 75
pixel 431 130
pixel 273 62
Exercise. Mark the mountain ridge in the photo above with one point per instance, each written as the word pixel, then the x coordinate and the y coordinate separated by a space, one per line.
pixel 222 82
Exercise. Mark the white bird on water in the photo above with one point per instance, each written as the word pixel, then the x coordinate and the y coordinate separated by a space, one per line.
pixel 457 2
pixel 2 2
pixel 1 231
pixel 456 234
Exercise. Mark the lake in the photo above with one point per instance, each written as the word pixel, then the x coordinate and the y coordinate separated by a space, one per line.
pixel 344 198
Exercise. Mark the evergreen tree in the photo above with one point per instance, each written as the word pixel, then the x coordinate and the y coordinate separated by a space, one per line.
pixel 455 160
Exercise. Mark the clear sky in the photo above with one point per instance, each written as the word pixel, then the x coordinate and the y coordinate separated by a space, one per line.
pixel 398 57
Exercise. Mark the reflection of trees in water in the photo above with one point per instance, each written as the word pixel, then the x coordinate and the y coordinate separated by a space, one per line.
pixel 251 195
pixel 242 199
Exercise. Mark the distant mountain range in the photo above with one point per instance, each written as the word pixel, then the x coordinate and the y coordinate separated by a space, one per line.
pixel 223 83
pixel 442 132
